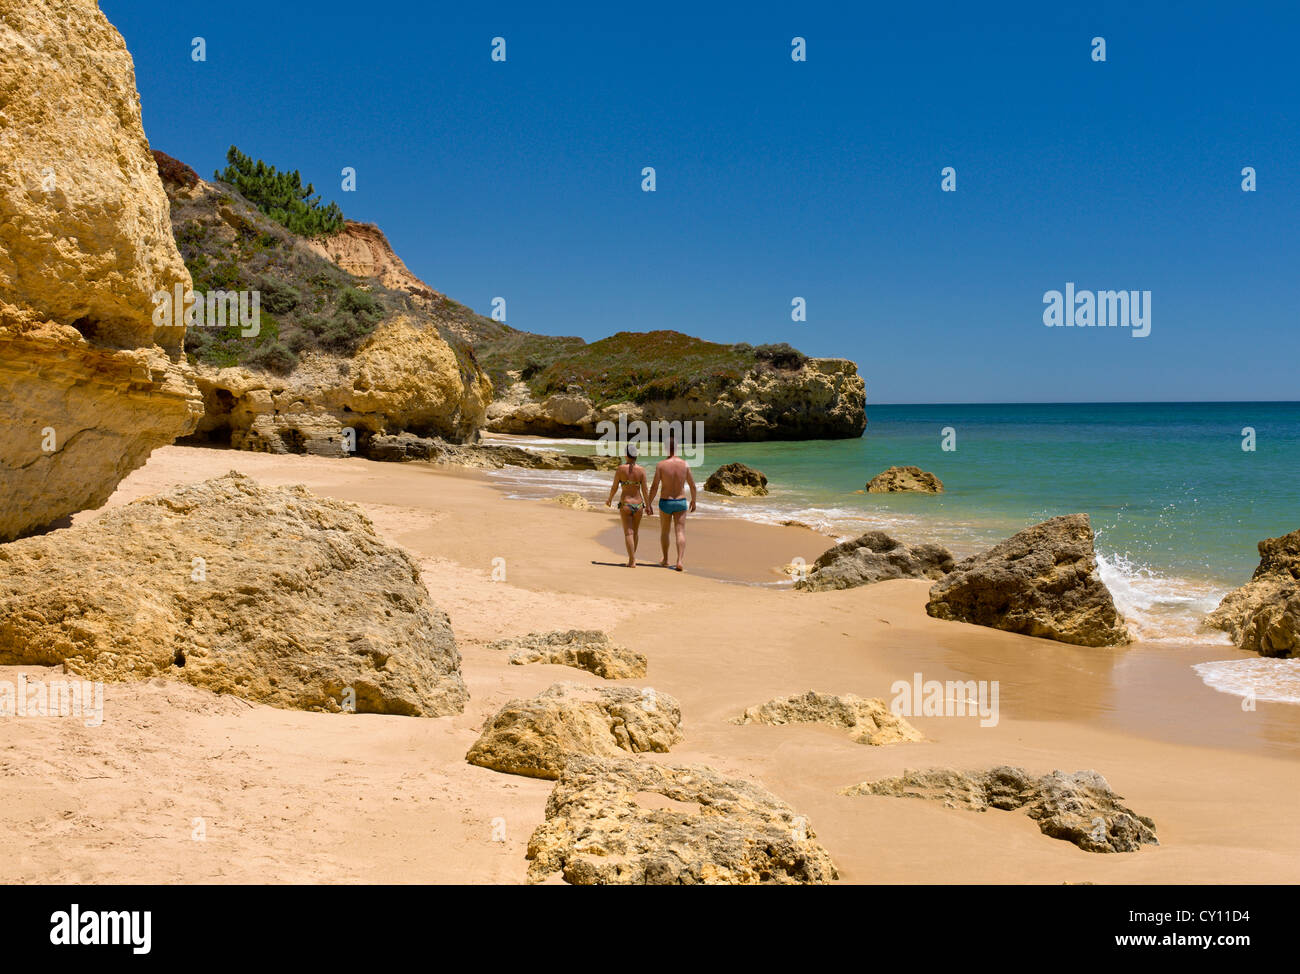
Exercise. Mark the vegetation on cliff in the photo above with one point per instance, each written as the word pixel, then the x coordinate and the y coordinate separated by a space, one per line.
pixel 628 366
pixel 281 195
pixel 307 302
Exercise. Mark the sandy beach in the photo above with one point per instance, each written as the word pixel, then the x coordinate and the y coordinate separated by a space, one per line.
pixel 181 785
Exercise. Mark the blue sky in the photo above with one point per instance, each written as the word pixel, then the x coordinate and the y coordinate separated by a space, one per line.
pixel 778 179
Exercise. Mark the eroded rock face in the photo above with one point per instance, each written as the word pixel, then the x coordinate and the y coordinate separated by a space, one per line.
pixel 403 376
pixel 584 649
pixel 909 478
pixel 868 720
pixel 538 736
pixel 89 386
pixel 636 823
pixel 362 249
pixel 874 557
pixel 1079 808
pixel 271 594
pixel 1263 615
pixel 1041 582
pixel 737 480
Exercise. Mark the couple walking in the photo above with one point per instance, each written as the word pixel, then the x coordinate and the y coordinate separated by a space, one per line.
pixel 672 476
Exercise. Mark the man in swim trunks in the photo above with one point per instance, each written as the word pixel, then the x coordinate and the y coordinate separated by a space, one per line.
pixel 673 474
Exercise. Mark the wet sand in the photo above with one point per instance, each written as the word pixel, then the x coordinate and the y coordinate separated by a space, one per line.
pixel 296 797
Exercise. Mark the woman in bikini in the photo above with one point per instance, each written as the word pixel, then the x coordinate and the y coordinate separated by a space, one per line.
pixel 631 506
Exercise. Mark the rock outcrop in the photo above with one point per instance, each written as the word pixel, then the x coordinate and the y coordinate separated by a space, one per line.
pixel 636 823
pixel 564 387
pixel 868 720
pixel 1263 616
pixel 271 594
pixel 897 479
pixel 538 736
pixel 573 500
pixel 403 377
pixel 584 649
pixel 490 456
pixel 1041 582
pixel 89 384
pixel 1079 808
pixel 737 480
pixel 874 557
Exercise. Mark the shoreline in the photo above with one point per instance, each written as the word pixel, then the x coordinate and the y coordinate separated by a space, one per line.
pixel 304 797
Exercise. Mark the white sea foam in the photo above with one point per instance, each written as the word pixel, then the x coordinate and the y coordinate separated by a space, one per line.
pixel 1158 607
pixel 1271 680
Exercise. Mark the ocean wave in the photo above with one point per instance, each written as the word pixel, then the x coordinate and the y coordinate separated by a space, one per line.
pixel 1159 607
pixel 1271 680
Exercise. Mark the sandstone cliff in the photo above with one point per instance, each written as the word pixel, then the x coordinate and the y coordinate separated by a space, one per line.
pixel 90 386
pixel 350 345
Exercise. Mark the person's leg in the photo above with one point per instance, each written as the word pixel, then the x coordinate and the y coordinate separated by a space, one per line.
pixel 636 530
pixel 665 522
pixel 679 522
pixel 628 535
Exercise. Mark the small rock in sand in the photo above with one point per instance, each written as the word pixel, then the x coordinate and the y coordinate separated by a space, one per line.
pixel 572 499
pixel 538 736
pixel 584 649
pixel 1079 807
pixel 636 823
pixel 868 720
pixel 874 557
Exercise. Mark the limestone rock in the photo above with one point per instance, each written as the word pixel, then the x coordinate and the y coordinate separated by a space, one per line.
pixel 573 500
pixel 585 649
pixel 637 823
pixel 874 557
pixel 89 386
pixel 538 736
pixel 1041 582
pixel 1263 616
pixel 404 376
pixel 737 480
pixel 271 594
pixel 909 478
pixel 868 720
pixel 1079 808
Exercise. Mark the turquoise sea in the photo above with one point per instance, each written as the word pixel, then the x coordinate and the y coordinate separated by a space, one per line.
pixel 1178 505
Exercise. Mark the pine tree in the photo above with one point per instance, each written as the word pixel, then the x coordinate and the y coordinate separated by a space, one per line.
pixel 281 195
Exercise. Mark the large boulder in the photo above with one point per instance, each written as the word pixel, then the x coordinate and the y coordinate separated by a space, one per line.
pixel 89 384
pixel 538 737
pixel 1079 808
pixel 268 593
pixel 868 720
pixel 635 823
pixel 874 557
pixel 737 480
pixel 1041 582
pixel 909 478
pixel 1263 615
pixel 583 649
